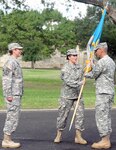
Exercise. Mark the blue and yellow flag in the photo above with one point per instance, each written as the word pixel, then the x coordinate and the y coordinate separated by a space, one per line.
pixel 95 38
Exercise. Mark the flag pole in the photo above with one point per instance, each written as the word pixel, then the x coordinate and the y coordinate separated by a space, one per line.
pixel 77 104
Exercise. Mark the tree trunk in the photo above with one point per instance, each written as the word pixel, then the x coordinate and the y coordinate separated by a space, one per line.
pixel 101 3
pixel 33 64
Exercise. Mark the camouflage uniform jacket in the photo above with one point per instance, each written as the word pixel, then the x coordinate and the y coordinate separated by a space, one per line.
pixel 12 79
pixel 71 74
pixel 103 72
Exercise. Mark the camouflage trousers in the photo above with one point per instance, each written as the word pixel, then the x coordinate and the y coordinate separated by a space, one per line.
pixel 103 113
pixel 63 113
pixel 12 116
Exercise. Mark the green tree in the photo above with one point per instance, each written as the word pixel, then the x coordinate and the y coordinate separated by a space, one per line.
pixel 87 25
pixel 22 26
pixel 59 31
pixel 111 10
pixel 3 41
pixel 109 35
pixel 9 5
pixel 39 33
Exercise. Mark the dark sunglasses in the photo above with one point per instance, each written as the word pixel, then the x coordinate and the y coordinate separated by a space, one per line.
pixel 96 50
pixel 74 55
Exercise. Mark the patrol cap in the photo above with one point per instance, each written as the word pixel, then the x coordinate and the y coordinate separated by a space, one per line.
pixel 12 46
pixel 72 52
pixel 101 45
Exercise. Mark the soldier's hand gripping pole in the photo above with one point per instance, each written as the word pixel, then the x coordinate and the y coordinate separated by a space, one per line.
pixel 88 69
pixel 77 104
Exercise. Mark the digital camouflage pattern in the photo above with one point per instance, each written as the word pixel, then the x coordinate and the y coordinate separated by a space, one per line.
pixel 103 72
pixel 12 118
pixel 103 114
pixel 12 82
pixel 12 79
pixel 71 75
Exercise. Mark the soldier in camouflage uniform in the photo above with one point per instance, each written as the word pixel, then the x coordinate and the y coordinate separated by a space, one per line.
pixel 103 72
pixel 71 74
pixel 12 82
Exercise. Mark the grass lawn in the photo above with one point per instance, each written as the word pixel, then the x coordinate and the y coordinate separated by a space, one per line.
pixel 42 89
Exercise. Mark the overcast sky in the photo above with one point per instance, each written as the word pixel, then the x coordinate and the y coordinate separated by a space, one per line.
pixel 61 6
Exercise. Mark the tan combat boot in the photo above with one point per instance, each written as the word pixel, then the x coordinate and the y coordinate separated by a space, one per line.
pixel 58 137
pixel 79 139
pixel 103 144
pixel 8 143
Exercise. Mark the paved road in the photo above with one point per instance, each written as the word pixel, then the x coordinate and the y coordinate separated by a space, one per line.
pixel 37 129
